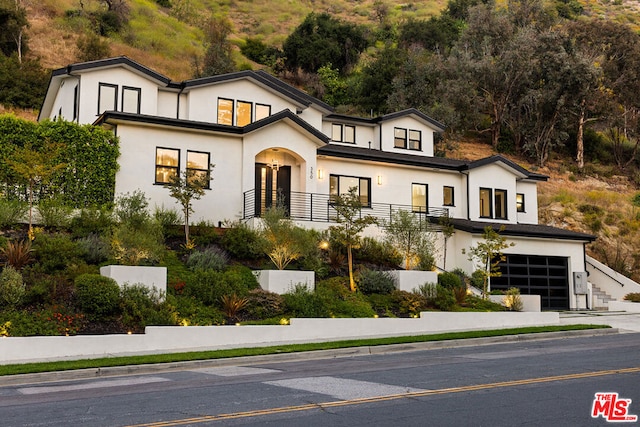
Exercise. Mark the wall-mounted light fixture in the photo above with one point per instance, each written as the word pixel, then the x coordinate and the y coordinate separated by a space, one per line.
pixel 379 179
pixel 320 173
pixel 274 164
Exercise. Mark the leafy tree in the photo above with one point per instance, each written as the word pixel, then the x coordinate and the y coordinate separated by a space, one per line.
pixel 487 256
pixel 409 236
pixel 335 87
pixel 376 81
pixel 91 47
pixel 322 39
pixel 185 189
pixel 218 56
pixel 13 22
pixel 34 167
pixel 437 34
pixel 22 83
pixel 350 224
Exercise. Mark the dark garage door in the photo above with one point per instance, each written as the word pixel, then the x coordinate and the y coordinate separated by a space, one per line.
pixel 546 276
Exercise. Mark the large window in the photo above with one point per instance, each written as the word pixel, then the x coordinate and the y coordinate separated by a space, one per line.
pixel 486 194
pixel 198 164
pixel 520 202
pixel 130 99
pixel 240 113
pixel 343 133
pixel 167 164
pixel 419 196
pixel 107 97
pixel 225 111
pixel 407 138
pixel 500 202
pixel 340 184
pixel 244 111
pixel 447 196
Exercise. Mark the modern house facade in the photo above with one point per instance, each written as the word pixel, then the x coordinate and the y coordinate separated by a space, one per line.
pixel 269 141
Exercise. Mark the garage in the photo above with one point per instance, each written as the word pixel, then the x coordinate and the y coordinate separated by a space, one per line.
pixel 547 276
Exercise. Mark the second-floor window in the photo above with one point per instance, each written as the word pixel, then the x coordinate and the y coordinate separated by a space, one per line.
pixel 493 203
pixel 131 99
pixel 107 97
pixel 407 138
pixel 447 196
pixel 520 202
pixel 240 113
pixel 340 185
pixel 343 133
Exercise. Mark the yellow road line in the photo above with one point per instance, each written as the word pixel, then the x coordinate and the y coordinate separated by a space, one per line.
pixel 308 407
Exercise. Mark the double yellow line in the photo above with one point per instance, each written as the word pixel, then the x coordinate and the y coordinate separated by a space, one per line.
pixel 308 407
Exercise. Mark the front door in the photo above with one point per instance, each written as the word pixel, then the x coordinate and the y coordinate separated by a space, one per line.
pixel 273 186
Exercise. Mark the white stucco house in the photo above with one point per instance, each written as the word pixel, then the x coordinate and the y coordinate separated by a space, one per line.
pixel 266 137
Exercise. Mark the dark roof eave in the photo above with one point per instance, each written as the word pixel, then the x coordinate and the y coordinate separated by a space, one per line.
pixel 119 60
pixel 521 230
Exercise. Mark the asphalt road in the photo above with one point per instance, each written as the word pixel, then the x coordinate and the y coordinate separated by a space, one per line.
pixel 534 383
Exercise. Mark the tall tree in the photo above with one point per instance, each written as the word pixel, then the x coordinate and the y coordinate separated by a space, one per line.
pixel 218 56
pixel 13 22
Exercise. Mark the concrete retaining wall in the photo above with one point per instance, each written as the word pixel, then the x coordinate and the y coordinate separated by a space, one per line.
pixel 171 339
pixel 529 302
pixel 628 306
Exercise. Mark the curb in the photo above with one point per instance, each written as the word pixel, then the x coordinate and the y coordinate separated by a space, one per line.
pixel 114 371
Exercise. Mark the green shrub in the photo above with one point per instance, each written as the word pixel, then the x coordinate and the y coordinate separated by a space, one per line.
pixel 210 258
pixel 25 323
pixel 12 212
pixel 340 301
pixel 132 209
pixel 209 286
pixel 12 287
pixel 97 296
pixel 445 299
pixel 241 242
pixel 633 297
pixel 92 220
pixel 94 248
pixel 374 252
pixel 141 306
pixel 409 303
pixel 449 280
pixel 477 279
pixel 382 304
pixel 301 302
pixel 480 304
pixel 375 282
pixel 263 304
pixel 193 312
pixel 167 217
pixel 54 213
pixel 137 246
pixel 55 252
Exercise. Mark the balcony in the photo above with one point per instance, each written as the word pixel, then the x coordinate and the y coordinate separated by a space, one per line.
pixel 317 207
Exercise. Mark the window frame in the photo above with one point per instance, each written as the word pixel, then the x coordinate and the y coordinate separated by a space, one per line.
pixel 426 198
pixel 131 89
pixel 336 128
pixel 262 105
pixel 236 110
pixel 159 165
pixel 339 133
pixel 361 180
pixel 489 202
pixel 453 194
pixel 503 204
pixel 410 140
pixel 100 96
pixel 232 111
pixel 520 203
pixel 206 170
pixel 397 139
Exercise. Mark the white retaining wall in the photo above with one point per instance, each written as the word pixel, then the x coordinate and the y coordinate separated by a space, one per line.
pixel 628 306
pixel 172 339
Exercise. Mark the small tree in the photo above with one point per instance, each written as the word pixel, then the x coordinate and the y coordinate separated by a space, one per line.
pixel 186 188
pixel 409 236
pixel 35 167
pixel 350 224
pixel 487 256
pixel 447 231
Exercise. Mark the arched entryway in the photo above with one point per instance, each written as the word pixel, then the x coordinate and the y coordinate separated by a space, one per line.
pixel 277 174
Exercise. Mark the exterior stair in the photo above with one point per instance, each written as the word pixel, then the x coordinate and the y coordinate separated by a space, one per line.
pixel 600 298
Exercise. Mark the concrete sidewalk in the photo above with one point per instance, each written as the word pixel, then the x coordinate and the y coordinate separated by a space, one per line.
pixel 623 321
